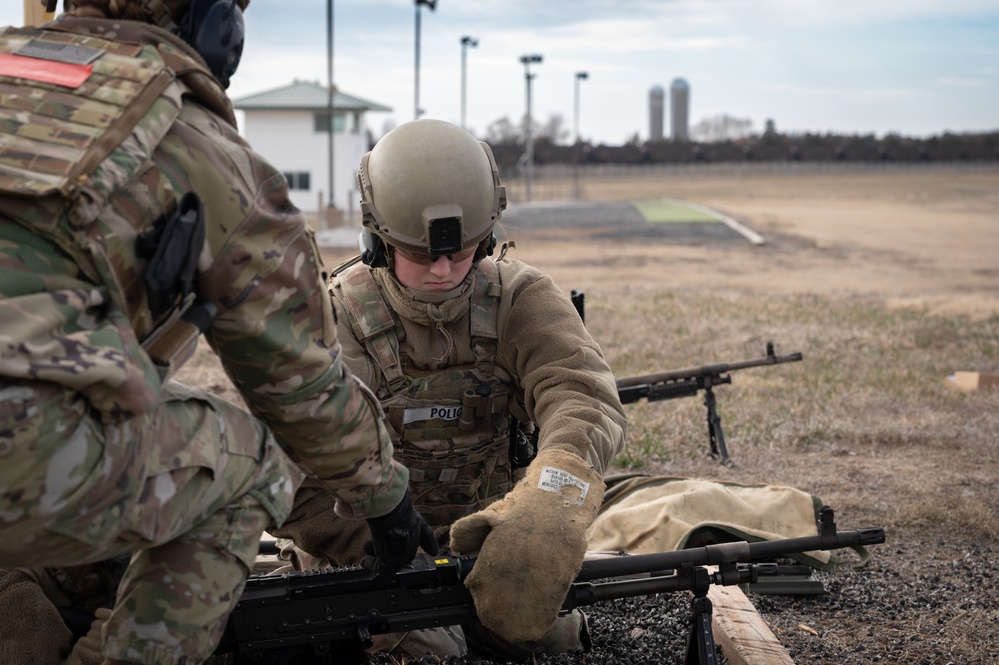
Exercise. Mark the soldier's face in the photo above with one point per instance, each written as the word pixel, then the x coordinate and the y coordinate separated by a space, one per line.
pixel 442 274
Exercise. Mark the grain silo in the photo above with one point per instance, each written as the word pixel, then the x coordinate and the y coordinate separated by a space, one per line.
pixel 657 104
pixel 679 109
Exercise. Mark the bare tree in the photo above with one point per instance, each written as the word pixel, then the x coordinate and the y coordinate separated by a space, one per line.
pixel 554 130
pixel 503 131
pixel 721 128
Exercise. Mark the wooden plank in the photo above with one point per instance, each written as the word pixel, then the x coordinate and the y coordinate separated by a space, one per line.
pixel 968 381
pixel 740 631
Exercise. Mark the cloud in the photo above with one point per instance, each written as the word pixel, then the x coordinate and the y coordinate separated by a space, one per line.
pixel 840 92
pixel 955 82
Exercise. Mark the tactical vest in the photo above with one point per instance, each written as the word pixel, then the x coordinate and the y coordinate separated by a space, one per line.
pixel 67 146
pixel 452 427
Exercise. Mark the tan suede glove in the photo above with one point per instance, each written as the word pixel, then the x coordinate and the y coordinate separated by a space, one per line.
pixel 531 545
pixel 87 650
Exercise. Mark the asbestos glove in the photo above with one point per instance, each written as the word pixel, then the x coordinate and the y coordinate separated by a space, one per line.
pixel 531 545
pixel 87 650
pixel 396 536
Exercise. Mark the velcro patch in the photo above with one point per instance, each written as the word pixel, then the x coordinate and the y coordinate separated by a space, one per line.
pixel 431 413
pixel 45 71
pixel 74 54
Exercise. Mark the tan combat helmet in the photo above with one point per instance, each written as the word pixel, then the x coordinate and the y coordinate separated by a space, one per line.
pixel 428 187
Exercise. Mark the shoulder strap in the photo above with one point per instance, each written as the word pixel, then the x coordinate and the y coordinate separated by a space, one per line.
pixel 484 311
pixel 373 322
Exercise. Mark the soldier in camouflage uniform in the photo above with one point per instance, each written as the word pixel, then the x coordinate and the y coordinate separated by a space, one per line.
pixel 132 217
pixel 467 354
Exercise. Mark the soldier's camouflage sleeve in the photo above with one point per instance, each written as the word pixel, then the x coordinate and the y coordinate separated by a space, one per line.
pixel 569 388
pixel 276 333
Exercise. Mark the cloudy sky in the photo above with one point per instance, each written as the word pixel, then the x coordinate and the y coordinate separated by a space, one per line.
pixel 915 67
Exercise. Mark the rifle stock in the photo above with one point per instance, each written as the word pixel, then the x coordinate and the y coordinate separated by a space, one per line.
pixel 330 616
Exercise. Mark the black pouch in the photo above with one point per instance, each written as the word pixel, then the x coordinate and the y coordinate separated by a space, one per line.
pixel 172 250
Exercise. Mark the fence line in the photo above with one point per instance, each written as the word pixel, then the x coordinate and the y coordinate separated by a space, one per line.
pixel 560 182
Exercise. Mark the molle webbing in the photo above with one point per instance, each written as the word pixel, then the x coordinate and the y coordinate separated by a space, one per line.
pixel 486 291
pixel 451 427
pixel 56 137
pixel 373 323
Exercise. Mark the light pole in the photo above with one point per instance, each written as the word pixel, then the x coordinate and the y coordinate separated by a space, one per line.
pixel 466 42
pixel 416 87
pixel 330 104
pixel 527 61
pixel 580 76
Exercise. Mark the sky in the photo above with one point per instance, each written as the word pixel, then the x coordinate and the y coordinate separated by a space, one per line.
pixel 910 67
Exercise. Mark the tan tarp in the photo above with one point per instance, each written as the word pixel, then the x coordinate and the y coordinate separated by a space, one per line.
pixel 642 515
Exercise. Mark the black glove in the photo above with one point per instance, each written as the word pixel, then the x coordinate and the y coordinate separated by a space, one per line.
pixel 395 537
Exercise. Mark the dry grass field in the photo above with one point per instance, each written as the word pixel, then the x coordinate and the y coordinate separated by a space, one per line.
pixel 887 282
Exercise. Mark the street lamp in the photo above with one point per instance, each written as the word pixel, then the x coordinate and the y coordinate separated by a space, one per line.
pixel 466 42
pixel 580 76
pixel 330 110
pixel 416 88
pixel 527 61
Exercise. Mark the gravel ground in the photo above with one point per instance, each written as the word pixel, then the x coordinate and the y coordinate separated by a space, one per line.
pixel 901 608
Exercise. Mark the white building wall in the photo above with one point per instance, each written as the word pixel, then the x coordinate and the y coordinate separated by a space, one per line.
pixel 288 140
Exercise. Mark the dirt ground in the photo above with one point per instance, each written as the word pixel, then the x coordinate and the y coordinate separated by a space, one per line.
pixel 921 240
pixel 914 237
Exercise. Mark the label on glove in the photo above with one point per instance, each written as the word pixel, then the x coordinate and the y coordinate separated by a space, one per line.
pixel 553 479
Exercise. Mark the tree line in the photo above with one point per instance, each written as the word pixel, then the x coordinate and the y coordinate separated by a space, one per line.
pixel 727 139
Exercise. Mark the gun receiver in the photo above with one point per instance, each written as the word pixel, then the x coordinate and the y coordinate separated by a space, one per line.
pixel 330 616
pixel 687 382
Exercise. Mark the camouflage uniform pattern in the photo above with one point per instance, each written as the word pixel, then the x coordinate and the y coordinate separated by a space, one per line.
pixel 511 322
pixel 456 465
pixel 98 455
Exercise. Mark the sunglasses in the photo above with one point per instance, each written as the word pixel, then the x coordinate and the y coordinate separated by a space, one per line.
pixel 427 259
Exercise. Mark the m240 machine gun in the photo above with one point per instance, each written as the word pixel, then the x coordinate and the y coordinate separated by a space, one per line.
pixel 329 617
pixel 688 382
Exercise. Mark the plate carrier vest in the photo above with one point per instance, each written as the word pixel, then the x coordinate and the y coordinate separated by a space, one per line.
pixel 452 427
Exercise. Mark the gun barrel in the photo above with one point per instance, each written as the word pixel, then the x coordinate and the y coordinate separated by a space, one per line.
pixel 706 370
pixel 741 552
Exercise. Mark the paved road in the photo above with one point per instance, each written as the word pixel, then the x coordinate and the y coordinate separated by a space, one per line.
pixel 666 219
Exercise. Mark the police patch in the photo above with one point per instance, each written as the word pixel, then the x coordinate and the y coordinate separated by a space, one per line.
pixel 431 413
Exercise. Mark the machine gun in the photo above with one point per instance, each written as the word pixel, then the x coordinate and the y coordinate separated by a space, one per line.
pixel 329 617
pixel 688 382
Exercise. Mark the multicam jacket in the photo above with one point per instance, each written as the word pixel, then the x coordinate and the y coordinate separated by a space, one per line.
pixel 456 377
pixel 87 167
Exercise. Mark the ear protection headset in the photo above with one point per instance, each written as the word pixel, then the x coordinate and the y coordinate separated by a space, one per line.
pixel 214 28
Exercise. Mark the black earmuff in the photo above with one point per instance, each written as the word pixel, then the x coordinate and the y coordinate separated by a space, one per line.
pixel 215 29
pixel 372 249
